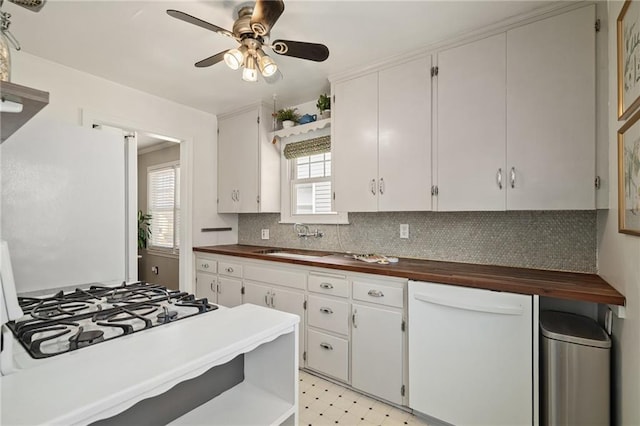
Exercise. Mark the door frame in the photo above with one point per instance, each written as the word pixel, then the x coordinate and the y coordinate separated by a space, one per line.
pixel 88 119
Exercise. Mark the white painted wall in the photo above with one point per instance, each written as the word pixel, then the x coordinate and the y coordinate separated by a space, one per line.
pixel 72 91
pixel 619 261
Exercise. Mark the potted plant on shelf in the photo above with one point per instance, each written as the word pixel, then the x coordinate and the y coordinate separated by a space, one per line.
pixel 288 117
pixel 324 106
pixel 144 229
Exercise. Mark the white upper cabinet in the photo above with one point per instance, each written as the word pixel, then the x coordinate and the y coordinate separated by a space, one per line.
pixel 516 118
pixel 382 140
pixel 471 141
pixel 248 164
pixel 551 113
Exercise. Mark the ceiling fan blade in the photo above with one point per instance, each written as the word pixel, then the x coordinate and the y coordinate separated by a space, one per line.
pixel 199 22
pixel 265 14
pixel 276 77
pixel 211 60
pixel 299 49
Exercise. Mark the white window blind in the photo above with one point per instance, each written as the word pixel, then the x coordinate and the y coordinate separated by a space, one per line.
pixel 311 184
pixel 163 188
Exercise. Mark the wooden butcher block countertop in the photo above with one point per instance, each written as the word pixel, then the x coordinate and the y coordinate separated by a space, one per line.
pixel 563 285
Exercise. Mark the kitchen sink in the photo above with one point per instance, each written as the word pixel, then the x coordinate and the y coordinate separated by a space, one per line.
pixel 293 254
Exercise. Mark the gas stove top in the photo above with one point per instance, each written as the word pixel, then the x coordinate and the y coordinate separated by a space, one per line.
pixel 65 322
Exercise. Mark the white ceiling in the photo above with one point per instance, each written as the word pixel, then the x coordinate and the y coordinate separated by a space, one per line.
pixel 135 43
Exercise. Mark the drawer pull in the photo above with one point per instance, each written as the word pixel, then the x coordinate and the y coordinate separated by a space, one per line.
pixel 326 346
pixel 205 265
pixel 326 310
pixel 229 269
pixel 327 286
pixel 375 293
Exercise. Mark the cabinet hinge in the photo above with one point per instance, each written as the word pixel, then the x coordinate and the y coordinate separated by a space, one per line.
pixel 304 305
pixel 258 199
pixel 258 120
pixel 218 131
pixel 597 25
pixel 434 71
pixel 334 99
pixel 434 190
pixel 304 355
pixel 403 326
pixel 402 390
pixel 242 290
pixel 334 196
pixel 597 182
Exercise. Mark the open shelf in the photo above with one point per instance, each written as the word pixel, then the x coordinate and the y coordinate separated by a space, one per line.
pixel 32 101
pixel 244 404
pixel 301 129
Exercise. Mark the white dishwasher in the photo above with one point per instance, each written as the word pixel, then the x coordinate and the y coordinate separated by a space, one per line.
pixel 471 355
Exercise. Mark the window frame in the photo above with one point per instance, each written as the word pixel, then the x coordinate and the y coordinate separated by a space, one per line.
pixel 287 198
pixel 175 250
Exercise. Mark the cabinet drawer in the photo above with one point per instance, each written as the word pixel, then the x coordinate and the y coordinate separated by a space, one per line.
pixel 206 265
pixel 329 285
pixel 328 354
pixel 283 277
pixel 332 315
pixel 382 294
pixel 230 269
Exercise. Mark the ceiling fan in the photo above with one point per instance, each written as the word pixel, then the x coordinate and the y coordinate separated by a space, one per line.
pixel 252 29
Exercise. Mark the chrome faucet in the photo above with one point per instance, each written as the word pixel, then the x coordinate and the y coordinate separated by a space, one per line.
pixel 303 231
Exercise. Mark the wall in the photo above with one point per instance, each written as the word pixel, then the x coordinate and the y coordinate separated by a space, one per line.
pixel 167 264
pixel 73 92
pixel 619 262
pixel 561 240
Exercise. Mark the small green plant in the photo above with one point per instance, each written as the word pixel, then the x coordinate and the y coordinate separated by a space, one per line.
pixel 324 103
pixel 288 114
pixel 144 229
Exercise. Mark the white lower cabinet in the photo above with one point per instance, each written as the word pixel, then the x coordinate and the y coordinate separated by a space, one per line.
pixel 212 283
pixel 471 355
pixel 377 353
pixel 328 354
pixel 280 299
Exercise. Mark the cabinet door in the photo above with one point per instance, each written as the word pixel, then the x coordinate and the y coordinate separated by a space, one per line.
pixel 229 292
pixel 355 144
pixel 292 302
pixel 471 142
pixel 206 286
pixel 404 137
pixel 238 163
pixel 376 345
pixel 257 294
pixel 551 119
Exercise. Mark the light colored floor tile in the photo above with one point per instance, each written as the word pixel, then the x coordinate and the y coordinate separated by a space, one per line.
pixel 349 419
pixel 375 417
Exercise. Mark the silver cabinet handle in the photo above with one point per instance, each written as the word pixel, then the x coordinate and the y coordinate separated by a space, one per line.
pixel 266 299
pixel 381 186
pixel 234 196
pixel 326 346
pixel 375 293
pixel 327 286
pixel 326 310
pixel 499 178
pixel 353 319
pixel 513 177
pixel 211 286
pixel 373 186
pixel 229 269
pixel 273 304
pixel 204 265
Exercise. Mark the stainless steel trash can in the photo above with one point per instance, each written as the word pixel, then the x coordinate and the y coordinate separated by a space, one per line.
pixel 574 373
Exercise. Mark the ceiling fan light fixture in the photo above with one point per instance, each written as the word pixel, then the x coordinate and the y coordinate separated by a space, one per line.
pixel 250 73
pixel 234 58
pixel 268 66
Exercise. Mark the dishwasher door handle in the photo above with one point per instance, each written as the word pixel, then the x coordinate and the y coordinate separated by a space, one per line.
pixel 492 309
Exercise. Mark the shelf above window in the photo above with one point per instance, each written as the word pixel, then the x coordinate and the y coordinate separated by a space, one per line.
pixel 301 129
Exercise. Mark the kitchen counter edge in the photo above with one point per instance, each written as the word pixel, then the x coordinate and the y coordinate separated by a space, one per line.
pixel 559 284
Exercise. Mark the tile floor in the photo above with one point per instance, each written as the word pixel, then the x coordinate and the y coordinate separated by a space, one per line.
pixel 324 403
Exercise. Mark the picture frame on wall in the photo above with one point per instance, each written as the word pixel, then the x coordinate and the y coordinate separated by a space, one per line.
pixel 628 46
pixel 629 176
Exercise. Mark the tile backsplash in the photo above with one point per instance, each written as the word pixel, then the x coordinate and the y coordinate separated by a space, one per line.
pixel 558 240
